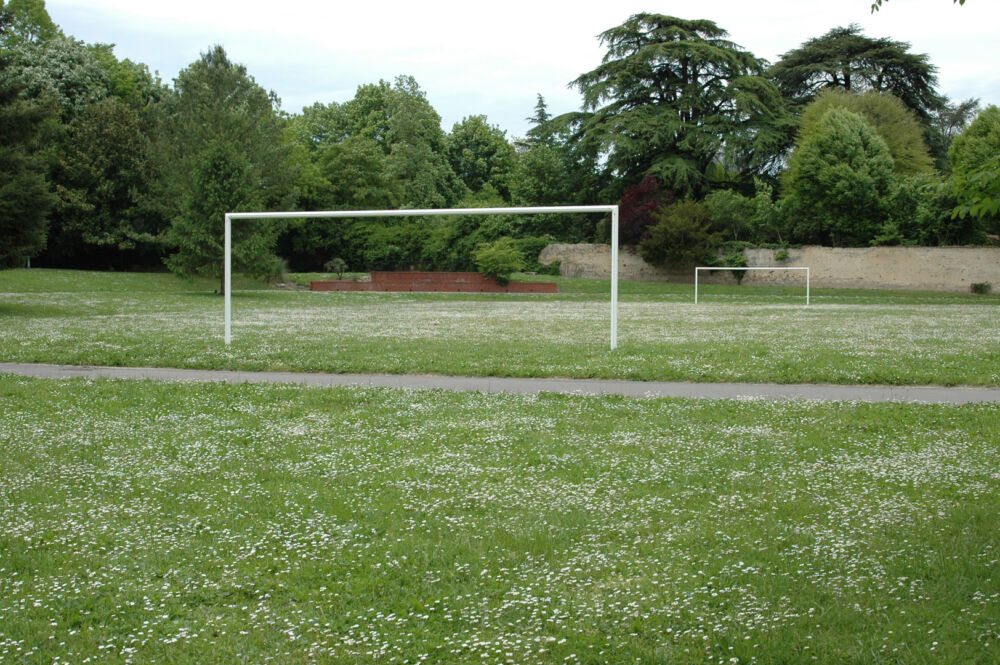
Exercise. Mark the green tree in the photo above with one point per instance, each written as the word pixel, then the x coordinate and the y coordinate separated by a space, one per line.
pixel 223 181
pixel 216 114
pixel 25 21
pixel 479 154
pixel 948 121
pixel 24 192
pixel 670 97
pixel 103 175
pixel 418 165
pixel 317 126
pixel 554 168
pixel 897 125
pixel 920 212
pixel 975 163
pixel 356 169
pixel 63 69
pixel 129 82
pixel 846 58
pixel 839 178
pixel 400 120
pixel 731 213
pixel 541 130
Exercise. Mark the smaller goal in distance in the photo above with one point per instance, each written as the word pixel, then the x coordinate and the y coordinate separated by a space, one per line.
pixel 749 268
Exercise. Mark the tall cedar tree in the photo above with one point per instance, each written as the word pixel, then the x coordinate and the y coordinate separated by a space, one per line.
pixel 672 97
pixel 846 58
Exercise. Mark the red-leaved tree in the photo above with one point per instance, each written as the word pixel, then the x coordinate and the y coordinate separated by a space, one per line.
pixel 637 207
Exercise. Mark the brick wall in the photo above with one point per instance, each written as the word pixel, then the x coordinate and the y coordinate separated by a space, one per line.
pixel 461 282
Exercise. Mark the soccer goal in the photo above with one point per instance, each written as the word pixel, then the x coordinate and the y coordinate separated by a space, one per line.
pixel 700 268
pixel 341 214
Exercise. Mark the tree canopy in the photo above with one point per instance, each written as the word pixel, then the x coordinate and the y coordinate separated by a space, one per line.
pixel 896 124
pixel 975 159
pixel 219 128
pixel 109 167
pixel 25 199
pixel 25 21
pixel 846 58
pixel 480 154
pixel 671 97
pixel 839 178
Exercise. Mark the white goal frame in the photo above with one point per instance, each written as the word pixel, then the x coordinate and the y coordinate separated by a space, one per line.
pixel 749 268
pixel 339 214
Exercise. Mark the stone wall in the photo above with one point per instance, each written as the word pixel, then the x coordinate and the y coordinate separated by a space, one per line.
pixel 917 268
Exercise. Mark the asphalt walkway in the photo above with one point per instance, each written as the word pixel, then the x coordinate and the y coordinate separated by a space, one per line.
pixel 822 392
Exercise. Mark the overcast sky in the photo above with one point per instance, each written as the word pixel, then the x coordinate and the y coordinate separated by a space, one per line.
pixel 493 58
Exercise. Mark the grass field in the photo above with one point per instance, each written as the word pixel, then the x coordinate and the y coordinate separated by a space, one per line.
pixel 170 523
pixel 736 334
pixel 144 522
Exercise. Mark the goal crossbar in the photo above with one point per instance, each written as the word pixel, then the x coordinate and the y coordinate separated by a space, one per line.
pixel 749 268
pixel 433 212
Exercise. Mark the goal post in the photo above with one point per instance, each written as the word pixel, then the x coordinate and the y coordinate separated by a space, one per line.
pixel 434 212
pixel 700 268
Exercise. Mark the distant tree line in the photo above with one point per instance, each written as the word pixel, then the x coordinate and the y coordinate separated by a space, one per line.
pixel 844 141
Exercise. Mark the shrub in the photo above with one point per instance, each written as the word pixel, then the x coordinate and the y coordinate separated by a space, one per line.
pixel 681 236
pixel 499 259
pixel 530 248
pixel 781 255
pixel 550 268
pixel 737 260
pixel 981 288
pixel 337 265
pixel 277 270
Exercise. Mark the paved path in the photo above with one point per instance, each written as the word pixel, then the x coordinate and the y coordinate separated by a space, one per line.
pixel 825 392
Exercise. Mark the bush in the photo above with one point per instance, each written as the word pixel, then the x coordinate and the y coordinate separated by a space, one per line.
pixel 337 265
pixel 681 236
pixel 981 288
pixel 737 260
pixel 277 271
pixel 530 248
pixel 499 259
pixel 553 268
pixel 393 247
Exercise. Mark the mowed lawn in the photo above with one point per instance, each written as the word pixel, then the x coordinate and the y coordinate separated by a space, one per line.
pixel 734 334
pixel 202 523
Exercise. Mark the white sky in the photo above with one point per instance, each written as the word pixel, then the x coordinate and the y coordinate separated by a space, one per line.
pixel 492 58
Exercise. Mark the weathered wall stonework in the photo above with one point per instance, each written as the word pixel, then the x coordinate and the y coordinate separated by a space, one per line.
pixel 916 268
